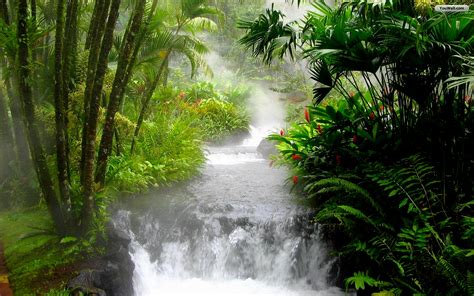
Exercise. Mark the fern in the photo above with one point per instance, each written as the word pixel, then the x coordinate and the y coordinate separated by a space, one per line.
pixel 360 279
pixel 450 272
pixel 338 184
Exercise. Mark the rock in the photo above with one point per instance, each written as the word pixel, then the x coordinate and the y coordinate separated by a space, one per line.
pixel 85 284
pixel 266 148
pixel 115 275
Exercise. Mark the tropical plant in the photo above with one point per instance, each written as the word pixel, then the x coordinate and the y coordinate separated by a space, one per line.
pixel 193 16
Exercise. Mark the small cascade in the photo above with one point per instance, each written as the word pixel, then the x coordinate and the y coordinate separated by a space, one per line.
pixel 234 230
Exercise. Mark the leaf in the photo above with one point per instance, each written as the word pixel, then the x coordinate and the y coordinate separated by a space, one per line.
pixel 68 239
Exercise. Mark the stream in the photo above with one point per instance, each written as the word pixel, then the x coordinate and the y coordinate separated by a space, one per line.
pixel 234 230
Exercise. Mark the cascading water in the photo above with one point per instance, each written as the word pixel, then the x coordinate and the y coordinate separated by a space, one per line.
pixel 234 230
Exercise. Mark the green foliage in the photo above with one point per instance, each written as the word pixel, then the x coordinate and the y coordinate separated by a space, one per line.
pixel 219 120
pixel 391 215
pixel 360 279
pixel 33 256
pixel 169 151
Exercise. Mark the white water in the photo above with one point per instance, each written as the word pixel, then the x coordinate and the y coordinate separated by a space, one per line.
pixel 234 230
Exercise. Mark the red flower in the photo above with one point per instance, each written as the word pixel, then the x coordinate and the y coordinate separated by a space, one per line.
pixel 320 129
pixel 338 159
pixel 372 116
pixel 295 179
pixel 306 115
pixel 282 132
pixel 355 139
pixel 296 157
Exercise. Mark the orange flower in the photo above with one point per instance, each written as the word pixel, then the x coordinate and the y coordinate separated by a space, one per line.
pixel 306 115
pixel 351 95
pixel 295 180
pixel 296 157
pixel 320 129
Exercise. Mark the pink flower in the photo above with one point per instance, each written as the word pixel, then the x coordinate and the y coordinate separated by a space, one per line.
pixel 282 132
pixel 306 115
pixel 296 157
pixel 295 180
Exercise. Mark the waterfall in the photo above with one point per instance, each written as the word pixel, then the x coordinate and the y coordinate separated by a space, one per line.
pixel 235 230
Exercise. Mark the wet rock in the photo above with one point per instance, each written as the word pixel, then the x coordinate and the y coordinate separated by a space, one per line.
pixel 85 284
pixel 266 148
pixel 114 276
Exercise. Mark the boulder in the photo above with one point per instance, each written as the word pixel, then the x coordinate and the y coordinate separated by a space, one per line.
pixel 85 284
pixel 266 148
pixel 114 277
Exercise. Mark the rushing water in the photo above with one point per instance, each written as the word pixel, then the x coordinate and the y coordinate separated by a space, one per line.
pixel 235 230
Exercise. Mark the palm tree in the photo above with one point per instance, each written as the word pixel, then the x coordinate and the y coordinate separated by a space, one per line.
pixel 192 16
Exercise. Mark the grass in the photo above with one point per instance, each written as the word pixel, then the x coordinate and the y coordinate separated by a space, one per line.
pixel 37 263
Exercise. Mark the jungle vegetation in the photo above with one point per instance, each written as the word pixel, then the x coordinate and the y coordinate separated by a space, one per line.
pixel 387 167
pixel 99 99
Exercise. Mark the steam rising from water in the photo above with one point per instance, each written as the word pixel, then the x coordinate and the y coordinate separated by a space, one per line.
pixel 233 230
pixel 292 12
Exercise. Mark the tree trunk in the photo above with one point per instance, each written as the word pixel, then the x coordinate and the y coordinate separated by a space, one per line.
pixel 37 151
pixel 98 9
pixel 122 77
pixel 21 144
pixel 61 143
pixel 98 21
pixel 91 131
pixel 7 154
pixel 69 66
pixel 146 102
pixel 4 11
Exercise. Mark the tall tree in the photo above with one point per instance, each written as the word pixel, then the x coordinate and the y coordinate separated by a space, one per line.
pixel 61 143
pixel 69 63
pixel 7 63
pixel 128 53
pixel 96 32
pixel 93 118
pixel 25 93
pixel 193 14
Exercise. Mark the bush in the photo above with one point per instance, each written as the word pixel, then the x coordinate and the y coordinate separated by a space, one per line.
pixel 169 150
pixel 392 217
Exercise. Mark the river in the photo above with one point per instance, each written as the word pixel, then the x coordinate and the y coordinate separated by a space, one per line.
pixel 234 230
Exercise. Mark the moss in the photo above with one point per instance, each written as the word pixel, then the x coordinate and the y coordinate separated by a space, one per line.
pixel 36 259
